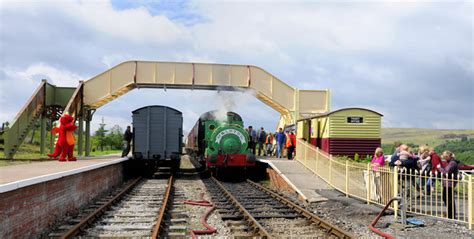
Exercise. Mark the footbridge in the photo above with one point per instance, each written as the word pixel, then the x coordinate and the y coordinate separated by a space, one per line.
pixel 290 102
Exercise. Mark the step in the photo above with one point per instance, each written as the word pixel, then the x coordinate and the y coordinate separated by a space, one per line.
pixel 178 228
pixel 179 220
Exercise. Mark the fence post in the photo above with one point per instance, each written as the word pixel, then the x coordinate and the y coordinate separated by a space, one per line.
pixel 368 183
pixel 347 178
pixel 330 169
pixel 395 191
pixel 317 158
pixel 305 154
pixel 470 200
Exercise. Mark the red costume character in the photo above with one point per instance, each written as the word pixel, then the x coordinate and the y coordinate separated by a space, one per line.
pixel 65 144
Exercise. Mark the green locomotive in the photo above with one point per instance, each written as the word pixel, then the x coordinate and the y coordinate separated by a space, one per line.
pixel 220 143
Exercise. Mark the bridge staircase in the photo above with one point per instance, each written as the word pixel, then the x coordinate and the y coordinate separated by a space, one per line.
pixel 47 101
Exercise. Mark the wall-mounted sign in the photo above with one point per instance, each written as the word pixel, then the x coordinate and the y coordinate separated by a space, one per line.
pixel 355 120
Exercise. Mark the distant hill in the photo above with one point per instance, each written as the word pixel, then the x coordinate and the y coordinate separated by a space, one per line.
pixel 431 137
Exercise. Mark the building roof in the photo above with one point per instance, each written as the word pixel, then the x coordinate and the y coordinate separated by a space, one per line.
pixel 339 110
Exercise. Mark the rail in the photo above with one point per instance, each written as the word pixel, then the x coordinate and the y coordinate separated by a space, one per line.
pixel 331 229
pixel 95 214
pixel 161 214
pixel 424 193
pixel 256 225
pixel 75 103
pixel 23 120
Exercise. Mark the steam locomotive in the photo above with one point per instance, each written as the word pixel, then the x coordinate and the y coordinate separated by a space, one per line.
pixel 220 142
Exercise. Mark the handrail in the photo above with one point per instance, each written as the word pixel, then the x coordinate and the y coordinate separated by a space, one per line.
pixel 378 185
pixel 36 94
pixel 76 100
pixel 16 131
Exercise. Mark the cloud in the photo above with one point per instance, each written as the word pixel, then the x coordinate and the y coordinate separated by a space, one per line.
pixel 411 61
pixel 18 84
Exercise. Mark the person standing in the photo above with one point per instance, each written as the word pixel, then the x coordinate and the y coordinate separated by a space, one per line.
pixel 280 140
pixel 269 144
pixel 290 145
pixel 252 139
pixel 127 138
pixel 378 160
pixel 262 136
pixel 450 175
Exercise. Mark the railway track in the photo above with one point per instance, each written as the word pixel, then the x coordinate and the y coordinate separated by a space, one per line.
pixel 135 211
pixel 250 209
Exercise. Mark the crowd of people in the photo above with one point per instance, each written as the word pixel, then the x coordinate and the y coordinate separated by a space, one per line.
pixel 425 168
pixel 276 144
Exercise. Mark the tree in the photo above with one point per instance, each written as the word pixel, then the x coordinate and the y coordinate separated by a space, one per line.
pixel 100 134
pixel 114 138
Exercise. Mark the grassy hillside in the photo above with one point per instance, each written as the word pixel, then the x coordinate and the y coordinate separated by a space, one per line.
pixel 460 142
pixel 431 137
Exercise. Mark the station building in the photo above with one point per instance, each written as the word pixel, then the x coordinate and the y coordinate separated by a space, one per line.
pixel 343 132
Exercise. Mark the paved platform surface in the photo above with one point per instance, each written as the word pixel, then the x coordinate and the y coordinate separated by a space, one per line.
pixel 299 177
pixel 21 175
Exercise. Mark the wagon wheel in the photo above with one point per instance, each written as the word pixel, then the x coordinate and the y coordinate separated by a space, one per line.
pixel 53 112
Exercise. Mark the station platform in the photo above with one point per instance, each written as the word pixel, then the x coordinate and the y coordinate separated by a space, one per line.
pixel 22 175
pixel 305 183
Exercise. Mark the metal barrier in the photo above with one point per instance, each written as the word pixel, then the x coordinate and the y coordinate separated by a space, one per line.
pixel 423 193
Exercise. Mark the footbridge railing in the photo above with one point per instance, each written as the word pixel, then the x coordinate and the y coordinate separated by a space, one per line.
pixel 288 101
pixel 443 196
pixel 23 121
pixel 46 103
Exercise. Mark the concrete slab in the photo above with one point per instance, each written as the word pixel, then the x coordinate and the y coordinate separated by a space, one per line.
pixel 302 180
pixel 22 175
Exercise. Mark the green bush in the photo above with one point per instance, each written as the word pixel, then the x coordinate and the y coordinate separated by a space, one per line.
pixel 463 149
pixel 356 157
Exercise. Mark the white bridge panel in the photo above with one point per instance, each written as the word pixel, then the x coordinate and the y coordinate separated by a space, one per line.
pixel 314 101
pixel 261 81
pixel 183 74
pixel 221 75
pixel 121 76
pixel 164 73
pixel 120 79
pixel 146 73
pixel 239 76
pixel 283 94
pixel 97 88
pixel 202 74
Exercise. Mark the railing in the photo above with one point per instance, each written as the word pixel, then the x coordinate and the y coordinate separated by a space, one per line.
pixel 423 193
pixel 17 129
pixel 75 103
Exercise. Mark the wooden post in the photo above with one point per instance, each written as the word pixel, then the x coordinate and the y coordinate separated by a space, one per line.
pixel 43 135
pixel 330 169
pixel 368 183
pixel 395 191
pixel 347 178
pixel 470 201
pixel 80 133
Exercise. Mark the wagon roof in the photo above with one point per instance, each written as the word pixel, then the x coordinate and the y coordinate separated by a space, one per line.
pixel 156 106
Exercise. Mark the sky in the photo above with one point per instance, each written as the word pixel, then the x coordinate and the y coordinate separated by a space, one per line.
pixel 412 61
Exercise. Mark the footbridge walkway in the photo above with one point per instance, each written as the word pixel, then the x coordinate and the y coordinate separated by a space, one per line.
pixel 290 102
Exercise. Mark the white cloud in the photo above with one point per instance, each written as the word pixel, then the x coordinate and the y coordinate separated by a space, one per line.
pixel 17 85
pixel 359 50
pixel 136 25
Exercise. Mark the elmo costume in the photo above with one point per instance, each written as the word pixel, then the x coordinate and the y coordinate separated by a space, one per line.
pixel 65 144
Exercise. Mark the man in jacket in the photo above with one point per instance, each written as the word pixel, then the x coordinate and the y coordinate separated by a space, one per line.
pixel 280 140
pixel 450 175
pixel 127 138
pixel 261 137
pixel 252 139
pixel 291 145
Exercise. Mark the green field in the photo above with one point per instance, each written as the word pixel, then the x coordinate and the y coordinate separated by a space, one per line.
pixel 430 137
